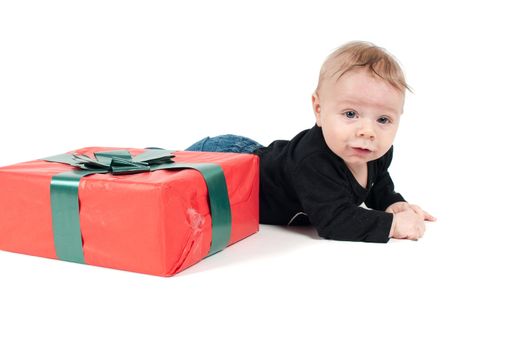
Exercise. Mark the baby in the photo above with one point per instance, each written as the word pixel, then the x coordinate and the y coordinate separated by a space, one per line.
pixel 323 175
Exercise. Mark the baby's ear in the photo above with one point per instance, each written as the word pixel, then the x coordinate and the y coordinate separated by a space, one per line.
pixel 315 101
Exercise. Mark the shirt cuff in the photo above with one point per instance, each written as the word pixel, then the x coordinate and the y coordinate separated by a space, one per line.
pixel 382 233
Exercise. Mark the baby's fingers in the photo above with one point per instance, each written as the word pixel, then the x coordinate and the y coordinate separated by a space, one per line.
pixel 418 211
pixel 429 217
pixel 423 214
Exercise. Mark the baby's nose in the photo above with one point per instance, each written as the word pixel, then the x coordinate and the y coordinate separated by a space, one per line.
pixel 366 131
pixel 367 134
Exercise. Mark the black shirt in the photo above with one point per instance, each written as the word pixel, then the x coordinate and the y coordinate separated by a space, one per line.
pixel 303 181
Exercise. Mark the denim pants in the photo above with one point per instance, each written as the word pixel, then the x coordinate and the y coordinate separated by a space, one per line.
pixel 225 143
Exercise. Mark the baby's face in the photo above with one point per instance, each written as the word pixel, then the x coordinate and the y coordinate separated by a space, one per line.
pixel 359 116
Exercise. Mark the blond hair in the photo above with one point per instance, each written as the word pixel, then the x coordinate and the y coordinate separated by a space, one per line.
pixel 359 54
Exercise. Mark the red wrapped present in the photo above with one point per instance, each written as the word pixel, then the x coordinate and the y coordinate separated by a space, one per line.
pixel 148 211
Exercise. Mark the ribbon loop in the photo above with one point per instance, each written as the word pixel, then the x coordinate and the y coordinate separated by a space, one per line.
pixel 155 156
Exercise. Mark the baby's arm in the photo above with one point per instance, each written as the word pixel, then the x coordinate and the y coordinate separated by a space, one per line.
pixel 324 194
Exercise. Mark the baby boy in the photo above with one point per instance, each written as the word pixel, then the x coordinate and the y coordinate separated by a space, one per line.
pixel 323 174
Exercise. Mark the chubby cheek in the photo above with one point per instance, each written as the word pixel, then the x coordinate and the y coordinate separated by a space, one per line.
pixel 384 145
pixel 339 141
pixel 332 129
pixel 381 151
pixel 333 138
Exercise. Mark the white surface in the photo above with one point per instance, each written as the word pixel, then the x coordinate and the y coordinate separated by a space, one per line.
pixel 137 74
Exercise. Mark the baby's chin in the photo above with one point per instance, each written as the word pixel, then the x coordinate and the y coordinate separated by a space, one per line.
pixel 355 162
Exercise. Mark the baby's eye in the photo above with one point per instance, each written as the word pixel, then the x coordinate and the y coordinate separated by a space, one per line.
pixel 384 120
pixel 351 114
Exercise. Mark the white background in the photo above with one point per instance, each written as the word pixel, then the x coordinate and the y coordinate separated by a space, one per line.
pixel 162 73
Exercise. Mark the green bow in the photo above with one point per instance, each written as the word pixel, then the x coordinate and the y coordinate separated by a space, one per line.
pixel 119 161
pixel 65 204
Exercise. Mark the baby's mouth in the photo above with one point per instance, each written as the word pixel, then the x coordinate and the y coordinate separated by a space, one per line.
pixel 361 151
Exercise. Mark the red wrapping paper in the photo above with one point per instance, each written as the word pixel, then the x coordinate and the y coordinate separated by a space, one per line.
pixel 156 222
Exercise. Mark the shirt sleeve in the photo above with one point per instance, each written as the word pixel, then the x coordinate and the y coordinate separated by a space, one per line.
pixel 327 199
pixel 382 193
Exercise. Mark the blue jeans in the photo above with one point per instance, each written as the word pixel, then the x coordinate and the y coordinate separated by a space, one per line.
pixel 225 143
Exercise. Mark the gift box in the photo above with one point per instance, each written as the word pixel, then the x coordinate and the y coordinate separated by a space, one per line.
pixel 148 211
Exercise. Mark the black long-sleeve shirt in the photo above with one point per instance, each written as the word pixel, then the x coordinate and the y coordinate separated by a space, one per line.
pixel 304 177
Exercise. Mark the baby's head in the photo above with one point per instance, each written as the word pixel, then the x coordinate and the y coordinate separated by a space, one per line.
pixel 358 102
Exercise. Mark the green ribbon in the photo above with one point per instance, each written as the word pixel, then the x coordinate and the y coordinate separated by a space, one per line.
pixel 65 199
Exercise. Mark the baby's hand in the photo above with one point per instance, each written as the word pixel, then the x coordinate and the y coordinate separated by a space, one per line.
pixel 407 224
pixel 402 206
